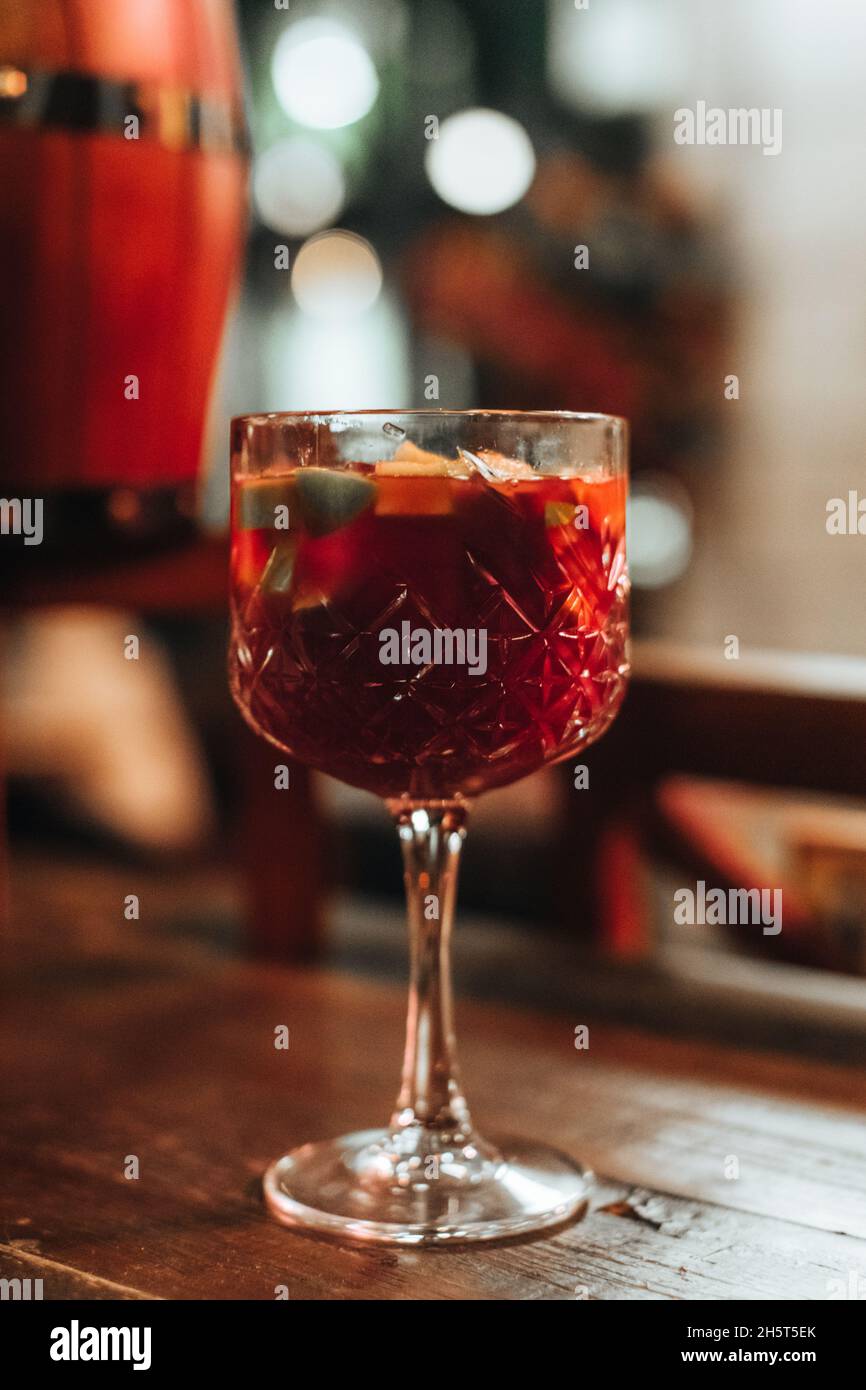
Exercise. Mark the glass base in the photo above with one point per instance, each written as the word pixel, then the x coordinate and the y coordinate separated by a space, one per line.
pixel 416 1187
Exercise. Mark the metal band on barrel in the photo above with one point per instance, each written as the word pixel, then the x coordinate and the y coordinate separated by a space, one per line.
pixel 80 101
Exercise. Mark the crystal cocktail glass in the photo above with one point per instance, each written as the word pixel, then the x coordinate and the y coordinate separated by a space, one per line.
pixel 428 604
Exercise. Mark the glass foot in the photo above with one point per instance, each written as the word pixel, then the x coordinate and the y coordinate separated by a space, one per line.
pixel 413 1187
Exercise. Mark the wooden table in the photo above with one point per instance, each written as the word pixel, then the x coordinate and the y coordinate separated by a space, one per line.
pixel 120 1040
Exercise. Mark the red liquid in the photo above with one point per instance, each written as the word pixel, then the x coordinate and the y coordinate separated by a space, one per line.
pixel 503 559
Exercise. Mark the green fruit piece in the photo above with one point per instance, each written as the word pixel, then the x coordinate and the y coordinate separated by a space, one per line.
pixel 558 513
pixel 328 498
pixel 258 501
pixel 279 567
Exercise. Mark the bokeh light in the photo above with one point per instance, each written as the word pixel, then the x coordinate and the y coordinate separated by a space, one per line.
pixel 659 530
pixel 323 75
pixel 482 162
pixel 318 363
pixel 336 275
pixel 620 56
pixel 298 186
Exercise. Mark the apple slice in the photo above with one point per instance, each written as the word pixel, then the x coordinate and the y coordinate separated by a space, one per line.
pixel 328 498
pixel 258 500
pixel 411 462
pixel 559 513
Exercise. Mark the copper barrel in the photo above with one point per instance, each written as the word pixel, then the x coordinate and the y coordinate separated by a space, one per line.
pixel 123 166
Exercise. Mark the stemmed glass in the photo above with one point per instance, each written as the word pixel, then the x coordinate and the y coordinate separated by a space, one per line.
pixel 427 604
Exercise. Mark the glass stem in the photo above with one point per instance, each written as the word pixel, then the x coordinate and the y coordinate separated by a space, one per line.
pixel 431 1098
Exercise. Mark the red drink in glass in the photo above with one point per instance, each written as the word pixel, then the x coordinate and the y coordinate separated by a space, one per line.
pixel 534 568
pixel 428 619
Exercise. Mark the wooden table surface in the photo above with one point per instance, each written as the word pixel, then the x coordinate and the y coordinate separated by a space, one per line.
pixel 725 1173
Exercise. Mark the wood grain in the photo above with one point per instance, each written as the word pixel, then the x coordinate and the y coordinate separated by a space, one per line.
pixel 141 1046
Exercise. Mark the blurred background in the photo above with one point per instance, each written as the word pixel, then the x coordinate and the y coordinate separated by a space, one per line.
pixel 456 203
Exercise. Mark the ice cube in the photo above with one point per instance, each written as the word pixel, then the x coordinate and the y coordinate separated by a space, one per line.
pixel 496 468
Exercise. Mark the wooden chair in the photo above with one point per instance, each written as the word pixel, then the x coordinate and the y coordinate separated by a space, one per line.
pixel 769 719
